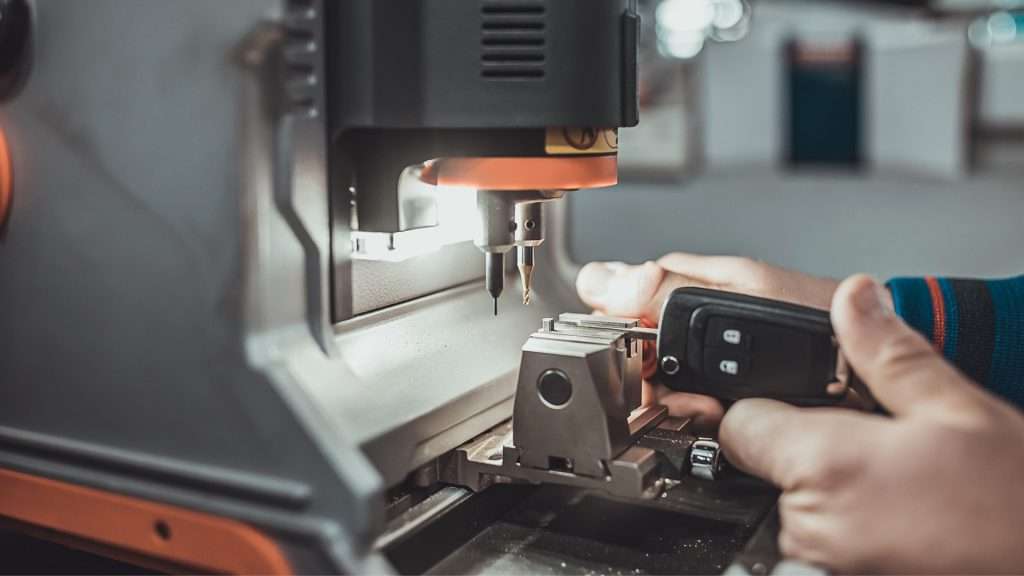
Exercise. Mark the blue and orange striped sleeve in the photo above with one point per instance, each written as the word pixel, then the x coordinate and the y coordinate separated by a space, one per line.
pixel 978 325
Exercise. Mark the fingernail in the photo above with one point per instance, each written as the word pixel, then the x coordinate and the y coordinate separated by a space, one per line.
pixel 885 297
pixel 869 299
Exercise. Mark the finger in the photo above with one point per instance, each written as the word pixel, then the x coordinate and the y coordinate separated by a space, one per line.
pixel 737 274
pixel 616 287
pixel 787 445
pixel 709 270
pixel 622 290
pixel 900 367
pixel 755 435
pixel 807 533
pixel 704 412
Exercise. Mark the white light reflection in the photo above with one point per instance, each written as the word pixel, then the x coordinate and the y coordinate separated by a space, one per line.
pixel 1002 27
pixel 728 13
pixel 457 220
pixel 997 28
pixel 684 25
pixel 685 15
pixel 682 45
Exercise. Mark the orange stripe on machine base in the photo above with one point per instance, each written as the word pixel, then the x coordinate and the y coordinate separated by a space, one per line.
pixel 938 312
pixel 6 180
pixel 148 529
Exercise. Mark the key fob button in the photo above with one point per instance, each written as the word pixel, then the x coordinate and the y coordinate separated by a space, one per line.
pixel 730 367
pixel 727 333
pixel 725 364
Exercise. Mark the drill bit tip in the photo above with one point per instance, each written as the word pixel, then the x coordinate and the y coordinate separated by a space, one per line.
pixel 526 274
pixel 495 306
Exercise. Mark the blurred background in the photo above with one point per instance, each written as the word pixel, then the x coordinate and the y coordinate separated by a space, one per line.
pixel 832 137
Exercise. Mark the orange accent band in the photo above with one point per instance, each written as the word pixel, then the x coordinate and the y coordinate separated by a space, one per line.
pixel 6 181
pixel 938 313
pixel 838 54
pixel 162 532
pixel 526 173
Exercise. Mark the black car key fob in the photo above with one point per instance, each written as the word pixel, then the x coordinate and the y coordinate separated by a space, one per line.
pixel 731 346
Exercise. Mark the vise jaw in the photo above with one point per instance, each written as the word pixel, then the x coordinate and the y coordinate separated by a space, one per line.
pixel 579 383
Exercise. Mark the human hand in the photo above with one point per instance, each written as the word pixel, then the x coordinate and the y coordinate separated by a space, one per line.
pixel 935 488
pixel 618 289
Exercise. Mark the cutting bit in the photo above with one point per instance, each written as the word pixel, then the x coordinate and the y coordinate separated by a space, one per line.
pixel 495 276
pixel 525 265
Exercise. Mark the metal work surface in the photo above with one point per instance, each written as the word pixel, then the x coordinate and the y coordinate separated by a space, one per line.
pixel 376 285
pixel 654 472
pixel 420 370
pixel 557 530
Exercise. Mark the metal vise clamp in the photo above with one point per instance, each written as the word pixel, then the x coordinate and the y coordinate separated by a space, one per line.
pixel 579 385
pixel 577 415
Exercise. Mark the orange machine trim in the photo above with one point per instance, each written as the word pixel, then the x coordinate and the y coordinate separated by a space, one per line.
pixel 159 531
pixel 5 178
pixel 526 173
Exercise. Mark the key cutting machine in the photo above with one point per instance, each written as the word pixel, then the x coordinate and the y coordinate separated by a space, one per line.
pixel 251 251
pixel 250 259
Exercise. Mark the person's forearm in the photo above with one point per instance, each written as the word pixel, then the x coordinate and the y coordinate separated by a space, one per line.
pixel 977 324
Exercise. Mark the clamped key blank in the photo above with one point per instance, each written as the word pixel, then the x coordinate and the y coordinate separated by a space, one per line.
pixel 732 346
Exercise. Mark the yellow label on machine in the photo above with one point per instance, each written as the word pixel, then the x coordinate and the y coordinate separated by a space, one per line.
pixel 581 141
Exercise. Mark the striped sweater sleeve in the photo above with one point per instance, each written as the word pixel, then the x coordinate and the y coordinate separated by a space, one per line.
pixel 977 324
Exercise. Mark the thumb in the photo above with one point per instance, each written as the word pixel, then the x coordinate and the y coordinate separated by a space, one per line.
pixel 898 365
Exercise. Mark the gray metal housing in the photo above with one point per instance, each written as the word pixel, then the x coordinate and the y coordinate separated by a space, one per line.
pixel 165 284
